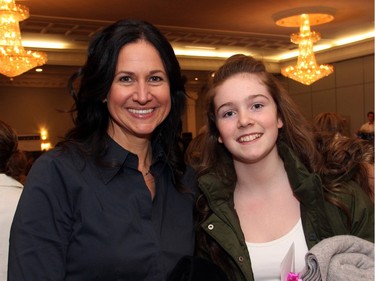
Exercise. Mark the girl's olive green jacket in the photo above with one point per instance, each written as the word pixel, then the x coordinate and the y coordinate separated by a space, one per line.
pixel 320 219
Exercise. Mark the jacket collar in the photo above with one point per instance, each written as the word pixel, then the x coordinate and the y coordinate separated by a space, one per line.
pixel 306 185
pixel 301 180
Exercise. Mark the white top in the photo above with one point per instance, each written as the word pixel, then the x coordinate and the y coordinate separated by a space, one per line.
pixel 367 128
pixel 10 191
pixel 266 258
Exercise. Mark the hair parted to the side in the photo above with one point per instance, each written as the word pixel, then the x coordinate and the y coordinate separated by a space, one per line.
pixel 90 115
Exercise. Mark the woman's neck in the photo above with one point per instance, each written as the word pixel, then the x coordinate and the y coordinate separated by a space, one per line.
pixel 136 145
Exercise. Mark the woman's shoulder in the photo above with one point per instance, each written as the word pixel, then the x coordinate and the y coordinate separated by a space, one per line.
pixel 60 157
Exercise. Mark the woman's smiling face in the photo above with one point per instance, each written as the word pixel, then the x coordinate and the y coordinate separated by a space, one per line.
pixel 139 98
pixel 246 117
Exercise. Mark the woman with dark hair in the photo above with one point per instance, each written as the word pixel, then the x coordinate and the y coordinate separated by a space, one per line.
pixel 13 166
pixel 261 206
pixel 114 200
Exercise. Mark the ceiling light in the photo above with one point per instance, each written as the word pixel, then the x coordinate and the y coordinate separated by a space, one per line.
pixel 203 53
pixel 14 59
pixel 44 44
pixel 307 71
pixel 200 47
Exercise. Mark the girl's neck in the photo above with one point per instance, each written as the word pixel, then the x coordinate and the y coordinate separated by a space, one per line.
pixel 260 176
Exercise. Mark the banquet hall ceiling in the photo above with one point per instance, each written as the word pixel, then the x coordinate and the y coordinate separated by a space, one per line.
pixel 233 25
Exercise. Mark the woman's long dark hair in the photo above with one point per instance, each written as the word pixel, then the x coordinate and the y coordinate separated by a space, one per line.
pixel 90 114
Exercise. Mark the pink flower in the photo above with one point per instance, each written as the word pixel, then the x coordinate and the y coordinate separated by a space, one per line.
pixel 293 277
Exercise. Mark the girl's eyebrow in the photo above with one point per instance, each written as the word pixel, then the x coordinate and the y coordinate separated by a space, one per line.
pixel 251 97
pixel 224 105
pixel 248 98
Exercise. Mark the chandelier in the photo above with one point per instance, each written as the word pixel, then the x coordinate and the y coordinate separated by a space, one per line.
pixel 14 59
pixel 306 71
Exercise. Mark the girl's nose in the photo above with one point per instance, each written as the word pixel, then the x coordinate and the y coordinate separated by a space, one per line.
pixel 245 119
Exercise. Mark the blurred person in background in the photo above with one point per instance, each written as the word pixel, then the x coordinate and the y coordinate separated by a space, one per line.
pixel 366 131
pixel 13 166
pixel 343 158
pixel 330 123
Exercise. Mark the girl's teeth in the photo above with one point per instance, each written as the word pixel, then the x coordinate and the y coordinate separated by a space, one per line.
pixel 250 137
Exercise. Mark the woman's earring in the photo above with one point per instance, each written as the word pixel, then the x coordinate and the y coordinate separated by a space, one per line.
pixel 104 101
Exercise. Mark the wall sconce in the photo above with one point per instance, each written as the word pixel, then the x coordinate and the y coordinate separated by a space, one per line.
pixel 307 71
pixel 45 145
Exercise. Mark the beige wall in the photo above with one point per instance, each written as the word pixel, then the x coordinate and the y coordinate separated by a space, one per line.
pixel 348 91
pixel 29 109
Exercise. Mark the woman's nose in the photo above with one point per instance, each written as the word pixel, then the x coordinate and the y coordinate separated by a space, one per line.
pixel 142 93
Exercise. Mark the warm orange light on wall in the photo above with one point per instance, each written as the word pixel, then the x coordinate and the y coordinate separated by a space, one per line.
pixel 43 134
pixel 45 145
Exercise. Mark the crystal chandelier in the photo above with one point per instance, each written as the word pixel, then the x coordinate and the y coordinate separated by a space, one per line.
pixel 14 59
pixel 307 71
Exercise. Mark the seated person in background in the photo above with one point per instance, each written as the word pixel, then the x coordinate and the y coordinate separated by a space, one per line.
pixel 259 192
pixel 366 131
pixel 13 166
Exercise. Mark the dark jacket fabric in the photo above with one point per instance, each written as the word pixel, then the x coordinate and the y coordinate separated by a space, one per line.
pixel 192 268
pixel 320 219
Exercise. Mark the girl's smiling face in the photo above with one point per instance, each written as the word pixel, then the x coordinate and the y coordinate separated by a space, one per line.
pixel 246 117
